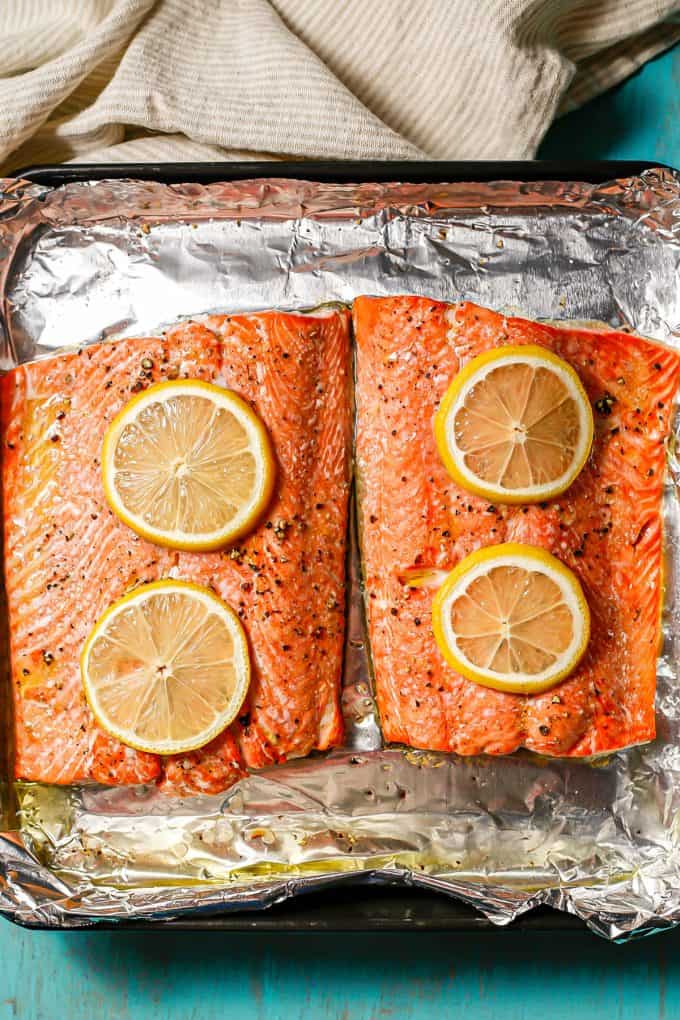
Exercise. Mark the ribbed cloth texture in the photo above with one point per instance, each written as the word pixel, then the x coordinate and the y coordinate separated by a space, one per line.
pixel 99 80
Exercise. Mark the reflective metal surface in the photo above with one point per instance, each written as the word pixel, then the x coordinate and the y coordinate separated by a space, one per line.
pixel 90 261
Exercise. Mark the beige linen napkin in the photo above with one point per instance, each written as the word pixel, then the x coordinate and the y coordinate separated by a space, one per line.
pixel 97 80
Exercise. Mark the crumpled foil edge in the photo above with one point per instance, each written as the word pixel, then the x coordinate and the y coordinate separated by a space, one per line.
pixel 92 261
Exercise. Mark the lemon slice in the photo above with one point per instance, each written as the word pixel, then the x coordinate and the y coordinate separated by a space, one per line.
pixel 166 668
pixel 515 425
pixel 512 617
pixel 187 465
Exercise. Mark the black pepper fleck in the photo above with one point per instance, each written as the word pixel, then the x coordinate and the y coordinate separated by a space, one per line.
pixel 605 404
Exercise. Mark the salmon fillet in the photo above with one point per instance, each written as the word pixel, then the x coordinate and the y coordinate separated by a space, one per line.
pixel 607 528
pixel 67 557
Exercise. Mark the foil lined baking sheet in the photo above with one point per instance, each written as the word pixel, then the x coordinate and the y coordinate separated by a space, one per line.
pixel 118 258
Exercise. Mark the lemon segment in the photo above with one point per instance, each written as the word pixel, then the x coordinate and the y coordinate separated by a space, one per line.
pixel 512 617
pixel 188 465
pixel 166 668
pixel 515 425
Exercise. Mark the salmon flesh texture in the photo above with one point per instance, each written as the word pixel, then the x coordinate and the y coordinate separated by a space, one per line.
pixel 67 557
pixel 607 527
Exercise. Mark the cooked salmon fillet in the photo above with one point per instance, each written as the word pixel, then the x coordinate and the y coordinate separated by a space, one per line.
pixel 67 557
pixel 607 528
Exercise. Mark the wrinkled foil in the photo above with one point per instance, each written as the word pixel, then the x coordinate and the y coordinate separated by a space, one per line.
pixel 86 262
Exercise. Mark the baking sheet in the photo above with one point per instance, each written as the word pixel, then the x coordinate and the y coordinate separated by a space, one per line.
pixel 90 261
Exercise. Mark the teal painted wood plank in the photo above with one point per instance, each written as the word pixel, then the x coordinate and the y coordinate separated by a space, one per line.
pixel 84 976
pixel 348 977
pixel 638 120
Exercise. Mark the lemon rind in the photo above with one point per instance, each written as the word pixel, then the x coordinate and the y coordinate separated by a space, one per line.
pixel 224 719
pixel 497 555
pixel 453 398
pixel 205 541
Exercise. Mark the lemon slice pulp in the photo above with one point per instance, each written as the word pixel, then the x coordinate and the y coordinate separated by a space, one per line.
pixel 188 465
pixel 512 617
pixel 166 668
pixel 515 425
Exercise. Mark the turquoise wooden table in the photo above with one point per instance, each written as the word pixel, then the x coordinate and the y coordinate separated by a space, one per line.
pixel 508 975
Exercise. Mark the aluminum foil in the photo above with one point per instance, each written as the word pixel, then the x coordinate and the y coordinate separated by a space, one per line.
pixel 600 840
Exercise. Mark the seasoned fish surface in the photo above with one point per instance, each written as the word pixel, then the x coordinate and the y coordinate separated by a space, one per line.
pixel 67 557
pixel 606 527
